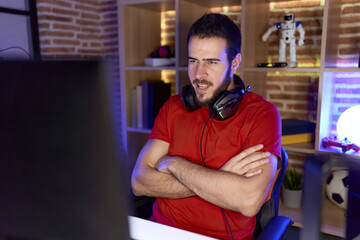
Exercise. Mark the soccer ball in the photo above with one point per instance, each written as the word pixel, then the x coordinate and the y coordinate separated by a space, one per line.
pixel 337 187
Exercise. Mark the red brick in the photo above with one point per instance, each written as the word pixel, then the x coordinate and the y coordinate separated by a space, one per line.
pixel 349 51
pixel 42 9
pixel 287 96
pixel 86 22
pixel 56 34
pixel 95 44
pixel 349 40
pixel 109 36
pixel 45 42
pixel 111 29
pixel 44 25
pixel 350 30
pixel 111 43
pixel 86 8
pixel 66 27
pixel 111 16
pixel 90 16
pixel 106 23
pixel 88 36
pixel 66 42
pixel 91 30
pixel 297 88
pixel 297 4
pixel 352 19
pixel 278 104
pixel 54 18
pixel 354 9
pixel 65 12
pixel 350 1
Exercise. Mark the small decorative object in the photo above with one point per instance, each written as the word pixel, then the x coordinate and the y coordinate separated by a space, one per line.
pixel 288 29
pixel 337 188
pixel 344 144
pixel 292 188
pixel 161 57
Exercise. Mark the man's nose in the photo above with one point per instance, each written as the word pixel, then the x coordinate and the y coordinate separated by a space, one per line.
pixel 201 72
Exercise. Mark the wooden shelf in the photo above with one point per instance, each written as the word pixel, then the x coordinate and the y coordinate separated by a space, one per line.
pixel 333 218
pixel 286 69
pixel 308 148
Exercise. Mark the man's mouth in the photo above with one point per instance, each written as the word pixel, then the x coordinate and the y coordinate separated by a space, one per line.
pixel 202 85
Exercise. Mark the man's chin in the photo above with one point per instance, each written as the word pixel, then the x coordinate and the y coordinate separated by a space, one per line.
pixel 203 101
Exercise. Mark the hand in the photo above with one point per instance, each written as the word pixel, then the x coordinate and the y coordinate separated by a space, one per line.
pixel 163 164
pixel 247 162
pixel 301 42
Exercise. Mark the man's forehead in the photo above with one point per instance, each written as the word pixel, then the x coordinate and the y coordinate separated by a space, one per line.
pixel 207 48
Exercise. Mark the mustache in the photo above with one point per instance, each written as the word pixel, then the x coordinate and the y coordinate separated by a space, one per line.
pixel 197 81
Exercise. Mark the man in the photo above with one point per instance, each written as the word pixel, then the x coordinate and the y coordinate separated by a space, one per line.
pixel 210 175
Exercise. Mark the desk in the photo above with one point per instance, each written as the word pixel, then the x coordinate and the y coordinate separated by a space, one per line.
pixel 141 229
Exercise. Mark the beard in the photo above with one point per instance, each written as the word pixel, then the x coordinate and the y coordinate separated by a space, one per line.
pixel 218 92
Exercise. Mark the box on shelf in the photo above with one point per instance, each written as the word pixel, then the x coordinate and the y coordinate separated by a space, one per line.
pixel 297 131
pixel 155 62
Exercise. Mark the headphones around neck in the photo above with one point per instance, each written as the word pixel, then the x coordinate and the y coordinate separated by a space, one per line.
pixel 225 105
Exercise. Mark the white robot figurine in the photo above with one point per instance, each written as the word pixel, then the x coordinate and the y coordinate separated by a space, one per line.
pixel 288 29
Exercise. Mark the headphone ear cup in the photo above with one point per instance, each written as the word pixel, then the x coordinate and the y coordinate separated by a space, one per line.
pixel 188 98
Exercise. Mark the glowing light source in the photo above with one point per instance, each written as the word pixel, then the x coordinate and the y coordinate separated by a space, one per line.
pixel 348 125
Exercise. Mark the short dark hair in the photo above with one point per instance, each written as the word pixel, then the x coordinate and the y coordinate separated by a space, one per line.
pixel 218 25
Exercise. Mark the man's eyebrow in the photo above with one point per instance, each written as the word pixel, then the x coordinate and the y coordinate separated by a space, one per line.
pixel 207 59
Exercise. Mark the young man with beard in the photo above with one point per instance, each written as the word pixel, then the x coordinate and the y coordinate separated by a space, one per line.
pixel 210 175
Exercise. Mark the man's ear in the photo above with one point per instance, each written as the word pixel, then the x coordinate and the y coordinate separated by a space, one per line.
pixel 235 63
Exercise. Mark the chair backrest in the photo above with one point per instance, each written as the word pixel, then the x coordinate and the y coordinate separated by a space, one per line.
pixel 270 208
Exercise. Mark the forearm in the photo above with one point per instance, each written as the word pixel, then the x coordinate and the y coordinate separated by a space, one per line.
pixel 150 182
pixel 221 188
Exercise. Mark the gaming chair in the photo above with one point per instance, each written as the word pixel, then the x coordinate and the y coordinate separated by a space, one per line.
pixel 268 224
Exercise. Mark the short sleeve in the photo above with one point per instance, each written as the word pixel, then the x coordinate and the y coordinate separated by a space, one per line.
pixel 160 129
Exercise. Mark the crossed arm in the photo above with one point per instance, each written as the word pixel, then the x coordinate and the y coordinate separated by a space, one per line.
pixel 240 185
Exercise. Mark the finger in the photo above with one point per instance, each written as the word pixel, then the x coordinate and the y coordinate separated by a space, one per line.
pixel 253 173
pixel 254 157
pixel 250 150
pixel 252 166
pixel 255 164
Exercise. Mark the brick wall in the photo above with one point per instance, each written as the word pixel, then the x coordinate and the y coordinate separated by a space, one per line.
pixel 77 29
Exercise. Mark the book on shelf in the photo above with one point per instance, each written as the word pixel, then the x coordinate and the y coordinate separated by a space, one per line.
pixel 150 96
pixel 139 107
pixel 297 131
pixel 133 121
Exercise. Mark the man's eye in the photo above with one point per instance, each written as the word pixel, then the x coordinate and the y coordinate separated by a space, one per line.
pixel 192 61
pixel 212 62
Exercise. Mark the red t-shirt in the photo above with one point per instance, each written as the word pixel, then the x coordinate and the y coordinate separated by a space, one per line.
pixel 256 121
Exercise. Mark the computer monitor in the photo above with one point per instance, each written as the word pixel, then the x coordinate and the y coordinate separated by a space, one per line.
pixel 60 170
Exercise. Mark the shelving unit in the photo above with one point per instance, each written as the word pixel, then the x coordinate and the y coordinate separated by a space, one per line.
pixel 140 34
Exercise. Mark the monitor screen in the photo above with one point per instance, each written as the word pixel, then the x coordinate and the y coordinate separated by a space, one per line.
pixel 60 170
